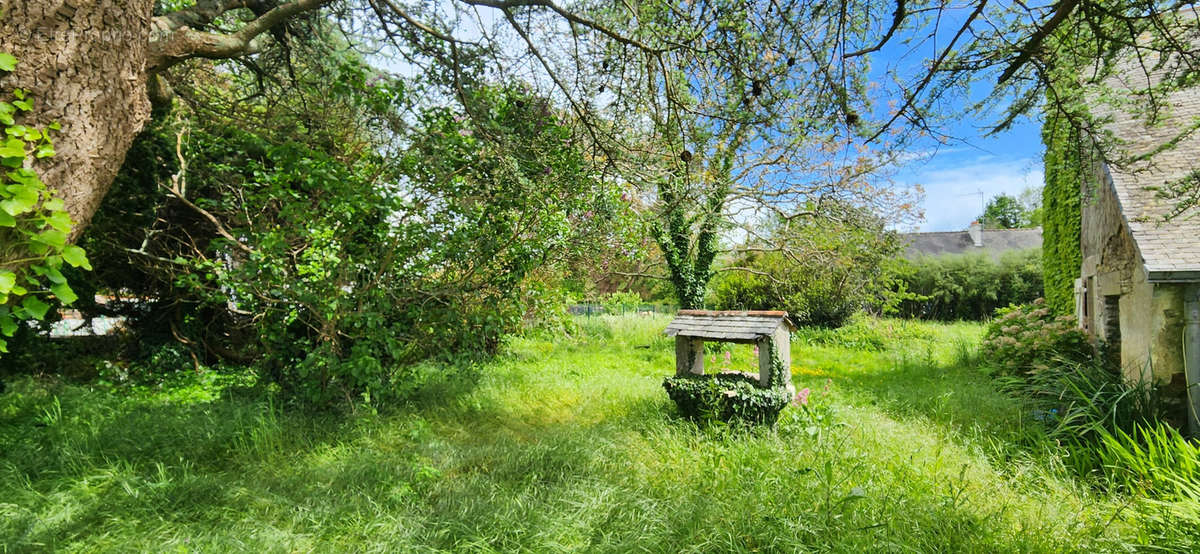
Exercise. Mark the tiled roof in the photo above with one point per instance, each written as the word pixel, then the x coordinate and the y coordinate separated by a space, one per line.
pixel 727 325
pixel 1170 248
pixel 995 242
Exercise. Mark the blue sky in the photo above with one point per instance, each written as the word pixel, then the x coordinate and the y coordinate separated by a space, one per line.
pixel 954 175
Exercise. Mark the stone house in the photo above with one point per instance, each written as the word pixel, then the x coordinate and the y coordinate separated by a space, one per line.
pixel 1139 285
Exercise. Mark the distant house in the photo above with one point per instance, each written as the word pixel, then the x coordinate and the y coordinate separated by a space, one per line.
pixel 1139 285
pixel 993 242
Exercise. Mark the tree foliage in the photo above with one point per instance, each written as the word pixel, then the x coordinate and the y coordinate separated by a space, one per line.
pixel 1004 212
pixel 832 268
pixel 968 286
pixel 315 235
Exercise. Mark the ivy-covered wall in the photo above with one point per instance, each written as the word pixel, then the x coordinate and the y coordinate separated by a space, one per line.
pixel 1064 173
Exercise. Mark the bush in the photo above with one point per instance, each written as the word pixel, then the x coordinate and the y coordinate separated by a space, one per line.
pixel 333 253
pixel 1025 339
pixel 821 270
pixel 967 286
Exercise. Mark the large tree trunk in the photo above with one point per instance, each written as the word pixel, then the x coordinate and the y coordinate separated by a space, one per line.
pixel 84 64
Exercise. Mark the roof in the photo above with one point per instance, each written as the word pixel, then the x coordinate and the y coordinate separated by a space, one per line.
pixel 995 242
pixel 727 325
pixel 1170 248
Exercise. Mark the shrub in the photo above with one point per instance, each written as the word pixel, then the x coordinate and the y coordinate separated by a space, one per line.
pixel 821 270
pixel 1025 339
pixel 967 286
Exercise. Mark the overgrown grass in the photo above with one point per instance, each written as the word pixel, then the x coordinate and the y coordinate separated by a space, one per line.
pixel 561 444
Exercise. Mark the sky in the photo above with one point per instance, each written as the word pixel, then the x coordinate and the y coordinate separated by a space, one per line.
pixel 954 176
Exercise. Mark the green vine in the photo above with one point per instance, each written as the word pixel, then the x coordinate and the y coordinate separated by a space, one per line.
pixel 732 396
pixel 1064 173
pixel 34 223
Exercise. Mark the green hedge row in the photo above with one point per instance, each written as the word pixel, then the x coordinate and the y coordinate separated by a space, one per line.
pixel 968 286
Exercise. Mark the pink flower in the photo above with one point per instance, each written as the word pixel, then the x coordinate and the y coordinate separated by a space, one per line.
pixel 756 350
pixel 465 132
pixel 728 357
pixel 802 397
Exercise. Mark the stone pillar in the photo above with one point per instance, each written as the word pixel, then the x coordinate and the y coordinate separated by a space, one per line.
pixel 689 356
pixel 783 344
pixel 764 361
pixel 781 339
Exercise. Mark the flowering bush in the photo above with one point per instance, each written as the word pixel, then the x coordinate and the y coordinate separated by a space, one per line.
pixel 1026 339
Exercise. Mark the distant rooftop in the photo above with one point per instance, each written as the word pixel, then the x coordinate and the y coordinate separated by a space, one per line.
pixel 994 242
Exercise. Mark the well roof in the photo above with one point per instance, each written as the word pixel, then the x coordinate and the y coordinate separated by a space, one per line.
pixel 727 325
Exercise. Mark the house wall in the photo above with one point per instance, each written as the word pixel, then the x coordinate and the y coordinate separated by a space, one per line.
pixel 1111 263
pixel 1149 316
pixel 1151 331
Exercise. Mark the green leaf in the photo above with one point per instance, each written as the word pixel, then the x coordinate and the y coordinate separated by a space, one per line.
pixel 64 293
pixel 8 279
pixel 7 220
pixel 8 62
pixel 44 150
pixel 36 308
pixel 25 177
pixel 6 113
pixel 55 126
pixel 23 105
pixel 75 256
pixel 54 205
pixel 12 148
pixel 60 221
pixel 54 275
pixel 24 198
pixel 51 237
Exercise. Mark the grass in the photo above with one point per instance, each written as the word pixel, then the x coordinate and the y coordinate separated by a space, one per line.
pixel 557 445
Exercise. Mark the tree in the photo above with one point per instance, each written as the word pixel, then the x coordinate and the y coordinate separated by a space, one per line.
pixel 93 66
pixel 1004 212
pixel 832 267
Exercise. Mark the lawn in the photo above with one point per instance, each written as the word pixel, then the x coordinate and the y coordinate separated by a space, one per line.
pixel 563 444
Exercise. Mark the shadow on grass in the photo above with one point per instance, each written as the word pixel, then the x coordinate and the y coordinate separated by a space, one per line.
pixel 916 384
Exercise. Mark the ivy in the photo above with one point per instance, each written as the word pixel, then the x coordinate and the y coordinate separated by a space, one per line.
pixel 1061 226
pixel 34 223
pixel 732 396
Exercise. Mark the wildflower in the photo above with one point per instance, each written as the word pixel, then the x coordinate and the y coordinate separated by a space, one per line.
pixel 756 350
pixel 465 132
pixel 802 397
pixel 828 384
pixel 728 357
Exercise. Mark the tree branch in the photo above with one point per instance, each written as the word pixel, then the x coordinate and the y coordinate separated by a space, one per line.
pixel 185 43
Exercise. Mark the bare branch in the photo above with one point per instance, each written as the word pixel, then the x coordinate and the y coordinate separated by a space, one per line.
pixel 185 43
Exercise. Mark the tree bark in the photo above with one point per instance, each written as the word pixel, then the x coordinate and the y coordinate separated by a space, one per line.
pixel 83 62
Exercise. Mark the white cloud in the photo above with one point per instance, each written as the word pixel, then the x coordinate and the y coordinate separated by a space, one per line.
pixel 952 187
